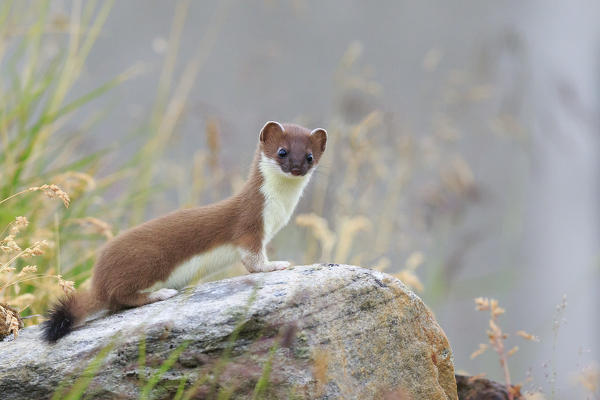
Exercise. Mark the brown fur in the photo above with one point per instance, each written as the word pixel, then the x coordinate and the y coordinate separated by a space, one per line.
pixel 148 253
pixel 140 257
pixel 81 303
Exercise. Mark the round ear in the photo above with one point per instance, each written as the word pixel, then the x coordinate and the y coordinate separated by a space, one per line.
pixel 319 136
pixel 270 129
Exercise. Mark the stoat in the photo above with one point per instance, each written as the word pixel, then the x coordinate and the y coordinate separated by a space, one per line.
pixel 150 262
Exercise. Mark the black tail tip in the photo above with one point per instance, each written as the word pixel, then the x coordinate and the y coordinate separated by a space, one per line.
pixel 60 322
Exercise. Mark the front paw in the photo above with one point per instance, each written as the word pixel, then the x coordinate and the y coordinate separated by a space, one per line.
pixel 275 266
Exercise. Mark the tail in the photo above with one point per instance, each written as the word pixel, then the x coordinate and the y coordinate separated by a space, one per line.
pixel 67 313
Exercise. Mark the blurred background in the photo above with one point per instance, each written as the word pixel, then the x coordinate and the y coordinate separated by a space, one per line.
pixel 463 151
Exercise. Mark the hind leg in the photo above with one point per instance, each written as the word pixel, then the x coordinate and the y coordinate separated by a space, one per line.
pixel 161 294
pixel 138 299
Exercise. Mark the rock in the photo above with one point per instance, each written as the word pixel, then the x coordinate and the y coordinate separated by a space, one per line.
pixel 474 388
pixel 322 331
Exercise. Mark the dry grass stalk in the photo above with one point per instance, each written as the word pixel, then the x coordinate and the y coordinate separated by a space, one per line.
pixel 320 229
pixel 213 141
pixel 347 79
pixel 482 349
pixel 383 264
pixel 477 377
pixel 51 191
pixel 349 227
pixel 19 224
pixel 410 279
pixel 414 260
pixel 589 379
pixel 36 250
pixel 12 277
pixel 496 339
pixel 408 275
pixel 458 177
pixel 10 321
pixel 28 269
pixel 512 351
pixel 528 336
pixel 96 225
pixel 75 182
pixel 67 286
pixel 8 244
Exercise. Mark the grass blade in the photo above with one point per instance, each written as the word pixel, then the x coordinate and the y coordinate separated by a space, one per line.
pixel 162 370
pixel 82 383
pixel 263 383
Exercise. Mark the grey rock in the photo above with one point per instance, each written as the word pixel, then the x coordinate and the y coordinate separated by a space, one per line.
pixel 326 331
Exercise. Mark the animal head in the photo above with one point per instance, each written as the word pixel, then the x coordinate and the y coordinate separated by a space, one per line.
pixel 295 150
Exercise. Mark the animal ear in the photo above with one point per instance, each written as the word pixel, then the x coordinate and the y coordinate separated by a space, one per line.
pixel 270 130
pixel 319 137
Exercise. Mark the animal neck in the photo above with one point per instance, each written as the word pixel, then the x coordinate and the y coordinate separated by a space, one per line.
pixel 281 193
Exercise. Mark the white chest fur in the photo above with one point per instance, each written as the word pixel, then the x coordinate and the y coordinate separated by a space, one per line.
pixel 282 192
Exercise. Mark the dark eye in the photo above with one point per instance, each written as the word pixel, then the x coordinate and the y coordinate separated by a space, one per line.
pixel 309 157
pixel 282 153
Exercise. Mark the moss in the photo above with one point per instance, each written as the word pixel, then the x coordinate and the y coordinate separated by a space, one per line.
pixel 367 305
pixel 301 347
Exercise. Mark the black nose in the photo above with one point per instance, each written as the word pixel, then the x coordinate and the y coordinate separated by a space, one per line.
pixel 296 171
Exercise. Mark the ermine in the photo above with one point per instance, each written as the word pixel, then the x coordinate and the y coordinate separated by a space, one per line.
pixel 150 262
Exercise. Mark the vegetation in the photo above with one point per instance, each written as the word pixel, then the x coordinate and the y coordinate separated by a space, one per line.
pixel 39 156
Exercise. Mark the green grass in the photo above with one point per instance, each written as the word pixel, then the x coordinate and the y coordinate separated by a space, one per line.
pixel 82 383
pixel 36 104
pixel 166 365
pixel 147 385
pixel 263 382
pixel 36 147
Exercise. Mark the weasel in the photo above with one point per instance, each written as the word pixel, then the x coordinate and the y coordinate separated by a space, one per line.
pixel 150 262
